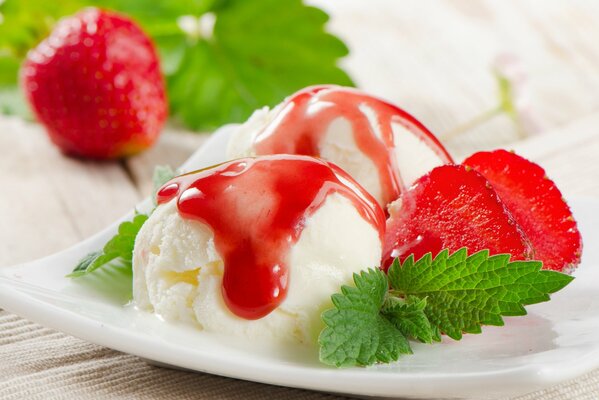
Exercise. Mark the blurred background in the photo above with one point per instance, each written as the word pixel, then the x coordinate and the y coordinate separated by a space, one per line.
pixel 450 63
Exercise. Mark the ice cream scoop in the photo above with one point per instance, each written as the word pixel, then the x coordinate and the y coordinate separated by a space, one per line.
pixel 256 246
pixel 381 146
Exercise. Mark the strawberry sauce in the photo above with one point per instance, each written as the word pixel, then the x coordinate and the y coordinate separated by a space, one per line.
pixel 257 208
pixel 304 119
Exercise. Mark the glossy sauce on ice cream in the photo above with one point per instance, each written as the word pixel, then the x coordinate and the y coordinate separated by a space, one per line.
pixel 304 119
pixel 257 208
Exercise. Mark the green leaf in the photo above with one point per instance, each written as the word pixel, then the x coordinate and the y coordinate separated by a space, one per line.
pixel 85 263
pixel 26 22
pixel 465 292
pixel 356 332
pixel 409 317
pixel 258 53
pixel 9 70
pixel 118 251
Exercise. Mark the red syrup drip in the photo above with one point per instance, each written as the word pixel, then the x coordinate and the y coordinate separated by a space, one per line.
pixel 303 121
pixel 256 208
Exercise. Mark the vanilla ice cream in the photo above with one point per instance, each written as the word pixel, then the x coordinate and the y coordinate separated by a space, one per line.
pixel 410 150
pixel 178 271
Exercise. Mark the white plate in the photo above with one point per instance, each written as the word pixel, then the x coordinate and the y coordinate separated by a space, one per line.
pixel 555 342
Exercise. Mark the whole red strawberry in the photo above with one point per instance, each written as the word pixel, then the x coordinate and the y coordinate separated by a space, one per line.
pixel 95 83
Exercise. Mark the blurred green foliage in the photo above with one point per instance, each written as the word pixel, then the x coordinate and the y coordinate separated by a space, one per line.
pixel 222 58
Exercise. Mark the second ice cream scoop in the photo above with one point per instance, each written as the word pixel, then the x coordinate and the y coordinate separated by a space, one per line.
pixel 380 145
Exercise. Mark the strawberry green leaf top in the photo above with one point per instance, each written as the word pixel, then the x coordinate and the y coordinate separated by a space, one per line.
pixel 464 292
pixel 449 294
pixel 222 58
pixel 242 55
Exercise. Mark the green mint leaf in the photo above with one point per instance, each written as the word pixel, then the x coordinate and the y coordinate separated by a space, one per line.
pixel 409 317
pixel 356 333
pixel 118 250
pixel 465 292
pixel 85 263
pixel 436 333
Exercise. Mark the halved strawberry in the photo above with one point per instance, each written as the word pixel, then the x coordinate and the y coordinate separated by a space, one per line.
pixel 449 208
pixel 536 203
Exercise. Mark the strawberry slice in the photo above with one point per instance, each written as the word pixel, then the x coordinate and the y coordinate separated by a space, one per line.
pixel 449 208
pixel 536 203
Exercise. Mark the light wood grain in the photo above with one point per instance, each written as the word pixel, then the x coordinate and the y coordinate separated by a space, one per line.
pixel 49 201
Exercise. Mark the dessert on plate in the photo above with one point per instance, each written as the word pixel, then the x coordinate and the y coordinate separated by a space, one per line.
pixel 256 246
pixel 334 187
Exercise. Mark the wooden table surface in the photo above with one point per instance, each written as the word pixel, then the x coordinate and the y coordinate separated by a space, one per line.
pixel 433 58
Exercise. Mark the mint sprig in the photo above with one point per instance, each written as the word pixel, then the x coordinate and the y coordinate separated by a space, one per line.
pixel 450 294
pixel 465 292
pixel 118 251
